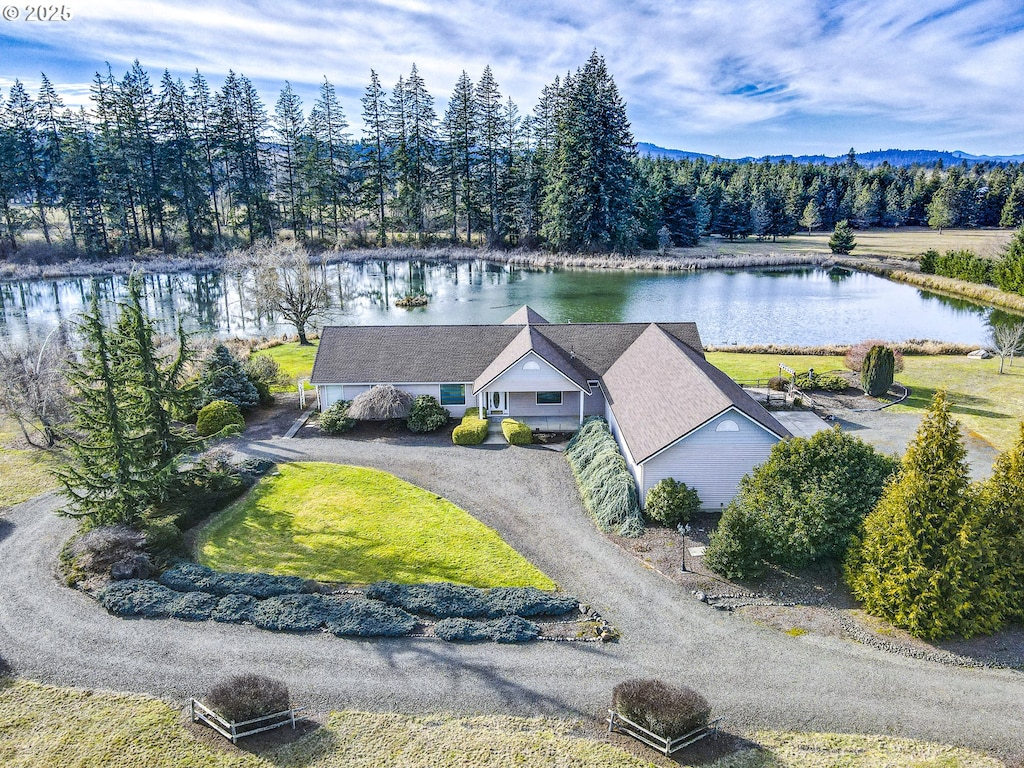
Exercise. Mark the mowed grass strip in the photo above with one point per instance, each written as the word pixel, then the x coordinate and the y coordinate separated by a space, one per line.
pixel 357 525
pixel 24 474
pixel 296 362
pixel 988 403
pixel 44 726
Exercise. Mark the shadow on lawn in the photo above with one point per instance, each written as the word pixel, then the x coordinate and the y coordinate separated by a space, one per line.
pixel 960 402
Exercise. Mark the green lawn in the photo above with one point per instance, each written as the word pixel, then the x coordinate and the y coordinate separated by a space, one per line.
pixel 43 726
pixel 24 474
pixel 295 361
pixel 357 525
pixel 989 404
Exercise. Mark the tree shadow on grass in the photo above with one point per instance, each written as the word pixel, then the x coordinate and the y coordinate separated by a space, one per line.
pixel 960 402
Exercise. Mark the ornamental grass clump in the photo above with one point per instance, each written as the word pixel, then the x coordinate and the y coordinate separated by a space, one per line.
pixel 246 697
pixel 606 485
pixel 670 711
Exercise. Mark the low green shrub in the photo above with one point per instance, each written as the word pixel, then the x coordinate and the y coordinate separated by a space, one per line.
pixel 472 430
pixel 163 537
pixel 829 382
pixel 606 485
pixel 246 697
pixel 512 629
pixel 219 418
pixel 265 373
pixel 439 599
pixel 516 433
pixel 193 577
pixel 738 549
pixel 369 618
pixel 668 710
pixel 97 550
pixel 234 609
pixel 295 613
pixel 459 630
pixel 335 419
pixel 138 597
pixel 528 601
pixel 671 502
pixel 427 415
pixel 194 606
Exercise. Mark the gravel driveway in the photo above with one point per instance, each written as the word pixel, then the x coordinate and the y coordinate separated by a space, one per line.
pixel 756 677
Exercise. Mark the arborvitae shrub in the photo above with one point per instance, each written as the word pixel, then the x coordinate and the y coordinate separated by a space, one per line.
pixel 606 485
pixel 335 419
pixel 854 357
pixel 427 414
pixel 670 711
pixel 671 502
pixel 246 697
pixel 516 433
pixel 737 549
pixel 220 415
pixel 876 376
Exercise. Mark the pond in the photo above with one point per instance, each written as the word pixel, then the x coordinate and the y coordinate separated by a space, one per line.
pixel 805 306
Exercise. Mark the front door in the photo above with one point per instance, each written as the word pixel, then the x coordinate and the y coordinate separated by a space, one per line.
pixel 497 403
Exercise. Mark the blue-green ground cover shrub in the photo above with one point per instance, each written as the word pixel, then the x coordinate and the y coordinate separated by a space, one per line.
pixel 192 577
pixel 295 613
pixel 235 609
pixel 459 630
pixel 369 618
pixel 138 597
pixel 512 629
pixel 194 606
pixel 528 601
pixel 439 599
pixel 606 485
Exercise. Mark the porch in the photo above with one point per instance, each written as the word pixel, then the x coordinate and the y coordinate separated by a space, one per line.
pixel 541 423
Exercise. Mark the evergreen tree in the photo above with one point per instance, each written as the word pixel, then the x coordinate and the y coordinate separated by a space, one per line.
pixel 1002 506
pixel 29 176
pixel 925 559
pixel 413 132
pixel 1009 271
pixel 842 240
pixel 332 179
pixel 9 184
pixel 810 217
pixel 376 159
pixel 487 107
pixel 1012 214
pixel 203 120
pixel 876 374
pixel 290 128
pixel 460 156
pixel 224 378
pixel 79 182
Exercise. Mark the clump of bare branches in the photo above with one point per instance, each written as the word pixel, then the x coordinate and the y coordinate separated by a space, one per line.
pixel 1008 341
pixel 284 281
pixel 380 403
pixel 33 391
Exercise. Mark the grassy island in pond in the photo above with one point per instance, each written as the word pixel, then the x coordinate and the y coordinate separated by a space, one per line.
pixel 358 525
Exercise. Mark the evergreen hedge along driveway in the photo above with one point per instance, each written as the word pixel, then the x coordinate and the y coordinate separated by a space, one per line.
pixel 357 525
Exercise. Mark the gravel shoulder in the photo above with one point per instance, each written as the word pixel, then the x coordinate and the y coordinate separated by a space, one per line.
pixel 756 677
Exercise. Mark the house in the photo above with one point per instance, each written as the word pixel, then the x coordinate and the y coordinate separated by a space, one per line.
pixel 672 412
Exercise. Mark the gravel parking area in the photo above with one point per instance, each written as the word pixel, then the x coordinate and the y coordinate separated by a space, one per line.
pixel 755 676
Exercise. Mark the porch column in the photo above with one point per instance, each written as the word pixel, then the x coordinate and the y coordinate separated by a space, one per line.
pixel 480 403
pixel 581 407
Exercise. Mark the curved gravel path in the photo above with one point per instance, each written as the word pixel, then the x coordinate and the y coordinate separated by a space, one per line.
pixel 756 677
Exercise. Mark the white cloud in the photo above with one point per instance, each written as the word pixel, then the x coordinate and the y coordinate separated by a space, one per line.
pixel 694 73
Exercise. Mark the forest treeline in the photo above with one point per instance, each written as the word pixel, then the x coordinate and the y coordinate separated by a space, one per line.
pixel 183 167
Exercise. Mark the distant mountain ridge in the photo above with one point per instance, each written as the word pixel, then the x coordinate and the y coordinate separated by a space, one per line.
pixel 895 157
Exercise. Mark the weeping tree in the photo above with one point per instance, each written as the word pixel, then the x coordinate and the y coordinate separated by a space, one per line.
pixel 381 403
pixel 286 284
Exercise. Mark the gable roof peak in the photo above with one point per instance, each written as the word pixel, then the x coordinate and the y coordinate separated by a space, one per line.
pixel 525 315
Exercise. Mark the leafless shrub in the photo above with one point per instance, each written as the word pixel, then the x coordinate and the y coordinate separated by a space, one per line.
pixel 380 403
pixel 97 550
pixel 667 710
pixel 854 359
pixel 246 697
pixel 33 391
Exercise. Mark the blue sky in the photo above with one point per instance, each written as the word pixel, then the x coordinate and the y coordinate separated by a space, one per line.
pixel 728 77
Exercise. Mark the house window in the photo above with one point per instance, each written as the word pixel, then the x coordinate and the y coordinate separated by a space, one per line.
pixel 549 398
pixel 531 365
pixel 727 426
pixel 453 394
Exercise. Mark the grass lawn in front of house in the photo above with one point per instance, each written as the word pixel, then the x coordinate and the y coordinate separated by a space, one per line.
pixel 357 525
pixel 296 362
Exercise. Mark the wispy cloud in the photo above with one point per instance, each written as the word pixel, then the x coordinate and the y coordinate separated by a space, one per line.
pixel 733 77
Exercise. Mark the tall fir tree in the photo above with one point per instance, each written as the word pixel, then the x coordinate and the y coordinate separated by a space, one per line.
pixel 331 177
pixel 376 158
pixel 290 129
pixel 1002 506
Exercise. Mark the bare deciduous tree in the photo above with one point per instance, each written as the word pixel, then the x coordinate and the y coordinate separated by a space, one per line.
pixel 33 391
pixel 1008 341
pixel 286 283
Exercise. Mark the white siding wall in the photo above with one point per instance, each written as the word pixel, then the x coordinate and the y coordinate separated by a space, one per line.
pixel 635 470
pixel 525 404
pixel 519 378
pixel 711 461
pixel 331 393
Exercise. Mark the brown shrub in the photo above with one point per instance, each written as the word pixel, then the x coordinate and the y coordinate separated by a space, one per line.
pixel 668 710
pixel 245 697
pixel 854 359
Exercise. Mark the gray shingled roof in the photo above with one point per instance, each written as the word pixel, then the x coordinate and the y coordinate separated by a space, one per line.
pixel 526 341
pixel 660 389
pixel 525 315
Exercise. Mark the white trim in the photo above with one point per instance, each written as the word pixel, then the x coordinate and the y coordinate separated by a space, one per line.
pixel 704 424
pixel 551 365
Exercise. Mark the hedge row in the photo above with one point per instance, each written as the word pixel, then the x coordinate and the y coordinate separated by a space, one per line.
pixel 516 433
pixel 472 430
pixel 606 485
pixel 192 577
pixel 443 600
pixel 507 629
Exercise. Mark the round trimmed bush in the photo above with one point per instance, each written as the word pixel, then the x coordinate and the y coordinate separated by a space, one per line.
pixel 138 597
pixel 369 618
pixel 471 431
pixel 246 697
pixel 234 609
pixel 512 629
pixel 459 630
pixel 671 502
pixel 427 414
pixel 219 416
pixel 516 433
pixel 670 711
pixel 335 419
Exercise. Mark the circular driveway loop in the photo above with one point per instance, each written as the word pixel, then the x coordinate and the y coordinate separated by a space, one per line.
pixel 755 677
